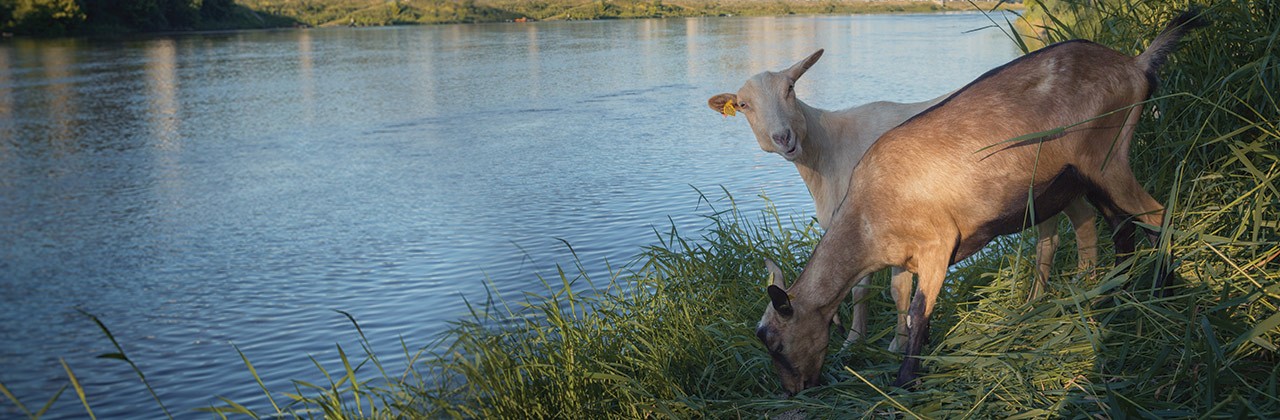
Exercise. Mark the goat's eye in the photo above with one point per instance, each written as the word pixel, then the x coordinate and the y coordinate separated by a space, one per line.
pixel 742 105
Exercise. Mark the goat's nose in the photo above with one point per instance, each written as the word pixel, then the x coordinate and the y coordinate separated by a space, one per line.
pixel 782 139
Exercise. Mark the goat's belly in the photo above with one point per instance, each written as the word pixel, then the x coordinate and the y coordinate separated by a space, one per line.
pixel 1012 214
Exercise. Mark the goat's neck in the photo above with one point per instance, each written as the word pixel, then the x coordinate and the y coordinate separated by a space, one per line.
pixel 843 255
pixel 836 141
pixel 832 148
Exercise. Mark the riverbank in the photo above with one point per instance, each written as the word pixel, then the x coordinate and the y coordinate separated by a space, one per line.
pixel 59 18
pixel 362 13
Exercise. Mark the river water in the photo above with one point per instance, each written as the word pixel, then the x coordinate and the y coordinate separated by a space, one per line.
pixel 201 191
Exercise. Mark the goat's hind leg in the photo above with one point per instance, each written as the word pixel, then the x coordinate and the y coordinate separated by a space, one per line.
pixel 1122 200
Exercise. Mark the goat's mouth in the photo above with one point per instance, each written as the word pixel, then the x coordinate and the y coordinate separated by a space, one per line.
pixel 803 384
pixel 791 152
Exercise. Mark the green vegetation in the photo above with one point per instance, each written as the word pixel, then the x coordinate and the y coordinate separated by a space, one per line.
pixel 63 17
pixel 80 17
pixel 672 336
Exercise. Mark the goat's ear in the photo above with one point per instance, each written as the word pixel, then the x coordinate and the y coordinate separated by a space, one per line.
pixel 798 69
pixel 781 302
pixel 775 274
pixel 718 102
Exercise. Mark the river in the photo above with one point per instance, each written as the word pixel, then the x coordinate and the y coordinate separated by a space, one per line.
pixel 199 191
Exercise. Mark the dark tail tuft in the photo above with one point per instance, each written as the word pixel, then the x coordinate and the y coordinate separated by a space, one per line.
pixel 1156 54
pixel 1193 18
pixel 1167 41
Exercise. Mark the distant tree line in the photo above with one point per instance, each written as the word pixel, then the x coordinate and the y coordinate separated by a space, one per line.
pixel 63 17
pixel 93 17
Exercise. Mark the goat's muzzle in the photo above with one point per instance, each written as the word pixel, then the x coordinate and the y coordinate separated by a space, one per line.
pixel 786 143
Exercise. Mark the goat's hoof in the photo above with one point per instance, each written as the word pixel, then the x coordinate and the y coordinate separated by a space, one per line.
pixel 906 382
pixel 898 343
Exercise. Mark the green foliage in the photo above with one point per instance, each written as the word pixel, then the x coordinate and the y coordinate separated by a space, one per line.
pixel 356 389
pixel 216 10
pixel 671 338
pixel 55 17
pixel 79 17
pixel 60 17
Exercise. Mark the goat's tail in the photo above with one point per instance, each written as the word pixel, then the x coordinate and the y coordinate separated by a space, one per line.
pixel 1156 54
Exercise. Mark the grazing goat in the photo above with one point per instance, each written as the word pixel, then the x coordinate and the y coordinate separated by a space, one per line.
pixel 939 187
pixel 825 146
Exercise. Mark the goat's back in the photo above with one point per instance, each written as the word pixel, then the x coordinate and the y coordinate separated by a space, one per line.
pixel 954 164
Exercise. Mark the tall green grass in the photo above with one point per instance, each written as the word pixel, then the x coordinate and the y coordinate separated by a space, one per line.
pixel 671 335
pixel 674 338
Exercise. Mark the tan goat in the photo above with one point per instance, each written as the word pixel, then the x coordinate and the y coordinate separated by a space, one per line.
pixel 826 145
pixel 939 187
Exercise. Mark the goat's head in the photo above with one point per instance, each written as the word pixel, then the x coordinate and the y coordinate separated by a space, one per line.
pixel 769 101
pixel 795 336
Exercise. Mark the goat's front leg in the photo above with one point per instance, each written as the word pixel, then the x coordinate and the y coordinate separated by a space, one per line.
pixel 932 268
pixel 1082 217
pixel 1046 244
pixel 858 320
pixel 1084 222
pixel 900 289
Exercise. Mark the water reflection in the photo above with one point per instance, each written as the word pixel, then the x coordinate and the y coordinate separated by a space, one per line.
pixel 61 106
pixel 7 143
pixel 693 46
pixel 306 62
pixel 424 73
pixel 162 97
pixel 534 60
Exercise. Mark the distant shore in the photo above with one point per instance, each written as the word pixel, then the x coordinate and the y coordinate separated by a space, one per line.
pixel 442 12
pixel 272 14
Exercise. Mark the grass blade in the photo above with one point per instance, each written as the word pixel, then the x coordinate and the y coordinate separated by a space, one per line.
pixel 16 402
pixel 75 384
pixel 119 355
pixel 254 372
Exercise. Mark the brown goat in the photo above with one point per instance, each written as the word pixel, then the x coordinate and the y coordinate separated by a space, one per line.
pixel 826 145
pixel 939 187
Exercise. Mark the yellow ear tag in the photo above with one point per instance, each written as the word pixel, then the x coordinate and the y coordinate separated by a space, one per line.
pixel 729 109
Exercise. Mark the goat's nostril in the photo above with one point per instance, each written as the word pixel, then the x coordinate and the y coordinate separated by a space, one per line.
pixel 782 139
